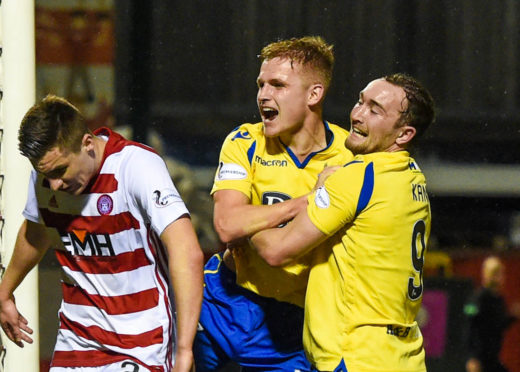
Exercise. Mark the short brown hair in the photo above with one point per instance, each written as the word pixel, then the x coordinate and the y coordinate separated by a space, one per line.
pixel 420 112
pixel 308 51
pixel 52 122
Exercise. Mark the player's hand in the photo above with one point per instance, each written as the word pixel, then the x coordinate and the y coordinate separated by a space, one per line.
pixel 323 175
pixel 13 323
pixel 184 361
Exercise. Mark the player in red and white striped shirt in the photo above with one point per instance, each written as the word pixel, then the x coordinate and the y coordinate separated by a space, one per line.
pixel 132 265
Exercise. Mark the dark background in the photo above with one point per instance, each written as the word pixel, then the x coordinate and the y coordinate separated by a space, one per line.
pixel 188 70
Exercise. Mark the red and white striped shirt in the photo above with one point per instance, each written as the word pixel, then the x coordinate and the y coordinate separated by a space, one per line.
pixel 117 300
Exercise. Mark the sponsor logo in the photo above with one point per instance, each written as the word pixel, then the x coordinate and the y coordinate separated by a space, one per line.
pixel 398 331
pixel 105 204
pixel 273 197
pixel 321 198
pixel 241 135
pixel 231 171
pixel 82 243
pixel 271 163
pixel 163 198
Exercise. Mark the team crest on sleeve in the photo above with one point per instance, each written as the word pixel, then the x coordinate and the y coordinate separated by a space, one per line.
pixel 321 198
pixel 231 171
pixel 105 204
pixel 165 197
pixel 243 135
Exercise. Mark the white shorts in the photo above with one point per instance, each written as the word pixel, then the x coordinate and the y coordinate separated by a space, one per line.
pixel 123 366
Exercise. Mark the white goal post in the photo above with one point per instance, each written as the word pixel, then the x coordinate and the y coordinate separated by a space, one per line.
pixel 17 83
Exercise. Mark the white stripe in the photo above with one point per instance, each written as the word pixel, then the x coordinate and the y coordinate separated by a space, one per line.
pixel 131 324
pixel 150 355
pixel 119 284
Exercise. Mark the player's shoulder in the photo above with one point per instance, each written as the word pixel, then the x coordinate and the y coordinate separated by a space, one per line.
pixel 246 132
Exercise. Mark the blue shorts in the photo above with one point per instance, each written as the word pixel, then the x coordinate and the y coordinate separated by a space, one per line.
pixel 259 333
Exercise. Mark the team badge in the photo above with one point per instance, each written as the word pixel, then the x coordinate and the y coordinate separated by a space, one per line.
pixel 165 197
pixel 105 204
pixel 321 198
pixel 244 135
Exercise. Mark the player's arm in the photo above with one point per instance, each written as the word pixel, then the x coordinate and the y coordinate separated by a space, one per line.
pixel 31 244
pixel 279 246
pixel 185 261
pixel 235 218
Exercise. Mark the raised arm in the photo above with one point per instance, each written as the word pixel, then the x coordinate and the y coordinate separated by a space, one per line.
pixel 31 244
pixel 185 261
pixel 235 218
pixel 279 246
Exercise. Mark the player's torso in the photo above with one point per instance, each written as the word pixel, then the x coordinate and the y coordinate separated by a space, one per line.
pixel 376 268
pixel 277 176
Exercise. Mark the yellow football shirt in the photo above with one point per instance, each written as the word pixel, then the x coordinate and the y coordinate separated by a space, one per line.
pixel 365 286
pixel 268 172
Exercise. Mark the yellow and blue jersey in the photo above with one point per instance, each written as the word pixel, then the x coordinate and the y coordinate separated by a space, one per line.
pixel 365 286
pixel 268 172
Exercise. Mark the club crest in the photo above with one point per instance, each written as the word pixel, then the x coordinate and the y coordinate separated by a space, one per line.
pixel 105 204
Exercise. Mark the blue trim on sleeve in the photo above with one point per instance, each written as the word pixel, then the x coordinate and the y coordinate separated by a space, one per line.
pixel 367 189
pixel 251 152
pixel 311 155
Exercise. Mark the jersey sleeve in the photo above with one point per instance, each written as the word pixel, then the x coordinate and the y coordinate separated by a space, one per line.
pixel 151 189
pixel 31 211
pixel 340 199
pixel 235 171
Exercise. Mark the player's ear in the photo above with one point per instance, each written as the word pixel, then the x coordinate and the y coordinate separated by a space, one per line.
pixel 406 134
pixel 316 93
pixel 87 142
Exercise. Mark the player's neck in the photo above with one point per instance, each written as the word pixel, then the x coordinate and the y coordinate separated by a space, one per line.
pixel 99 150
pixel 309 138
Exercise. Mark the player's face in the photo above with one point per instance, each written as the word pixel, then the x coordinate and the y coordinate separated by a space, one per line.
pixel 374 117
pixel 67 171
pixel 282 96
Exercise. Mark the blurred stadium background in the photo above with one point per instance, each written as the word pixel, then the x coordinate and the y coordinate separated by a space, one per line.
pixel 180 75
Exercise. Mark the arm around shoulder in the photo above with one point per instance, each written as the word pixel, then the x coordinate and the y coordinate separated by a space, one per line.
pixel 280 246
pixel 236 218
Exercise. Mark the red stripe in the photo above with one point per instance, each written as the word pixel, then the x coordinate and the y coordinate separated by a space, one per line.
pixel 110 224
pixel 127 261
pixel 105 183
pixel 113 305
pixel 124 341
pixel 93 358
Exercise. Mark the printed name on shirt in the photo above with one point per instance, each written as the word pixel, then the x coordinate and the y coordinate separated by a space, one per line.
pixel 82 243
pixel 270 163
pixel 419 192
pixel 231 171
pixel 165 197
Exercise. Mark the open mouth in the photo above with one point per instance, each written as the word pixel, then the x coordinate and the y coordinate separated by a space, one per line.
pixel 268 113
pixel 359 132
